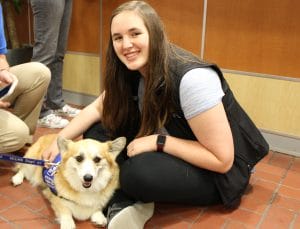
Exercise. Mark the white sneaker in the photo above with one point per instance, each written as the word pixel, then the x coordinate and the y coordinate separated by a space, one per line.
pixel 52 121
pixel 133 217
pixel 68 111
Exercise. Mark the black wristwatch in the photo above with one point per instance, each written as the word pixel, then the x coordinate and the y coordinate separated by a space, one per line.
pixel 160 142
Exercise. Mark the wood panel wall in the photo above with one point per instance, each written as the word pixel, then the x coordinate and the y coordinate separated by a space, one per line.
pixel 273 104
pixel 257 36
pixel 23 23
pixel 85 33
pixel 184 27
pixel 261 36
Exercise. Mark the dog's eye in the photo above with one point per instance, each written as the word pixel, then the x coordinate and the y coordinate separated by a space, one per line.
pixel 79 158
pixel 97 159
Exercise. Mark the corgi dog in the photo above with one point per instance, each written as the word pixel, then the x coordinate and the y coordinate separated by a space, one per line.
pixel 80 185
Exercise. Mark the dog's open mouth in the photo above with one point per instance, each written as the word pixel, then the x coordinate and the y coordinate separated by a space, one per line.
pixel 87 184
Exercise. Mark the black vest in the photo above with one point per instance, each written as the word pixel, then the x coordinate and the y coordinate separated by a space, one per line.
pixel 249 145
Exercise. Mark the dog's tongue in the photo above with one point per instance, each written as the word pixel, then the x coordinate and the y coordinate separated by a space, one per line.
pixel 86 184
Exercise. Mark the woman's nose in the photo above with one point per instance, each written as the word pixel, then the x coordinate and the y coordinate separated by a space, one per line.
pixel 127 42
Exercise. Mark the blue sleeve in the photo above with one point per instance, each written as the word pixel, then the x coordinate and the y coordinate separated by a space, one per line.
pixel 3 49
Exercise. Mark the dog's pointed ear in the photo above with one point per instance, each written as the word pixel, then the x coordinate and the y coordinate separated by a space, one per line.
pixel 117 145
pixel 62 144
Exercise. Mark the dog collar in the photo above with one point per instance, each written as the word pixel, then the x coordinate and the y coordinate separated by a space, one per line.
pixel 48 173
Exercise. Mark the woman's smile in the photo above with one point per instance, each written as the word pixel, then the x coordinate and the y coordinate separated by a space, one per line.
pixel 132 55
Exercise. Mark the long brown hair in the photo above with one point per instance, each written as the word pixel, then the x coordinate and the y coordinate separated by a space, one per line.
pixel 117 105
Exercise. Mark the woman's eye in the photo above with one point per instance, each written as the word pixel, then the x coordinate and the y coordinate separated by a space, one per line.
pixel 117 38
pixel 135 34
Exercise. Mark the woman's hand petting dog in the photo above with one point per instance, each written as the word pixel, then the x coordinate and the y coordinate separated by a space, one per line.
pixel 51 152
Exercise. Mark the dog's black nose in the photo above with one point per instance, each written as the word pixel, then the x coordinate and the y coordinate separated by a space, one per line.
pixel 88 177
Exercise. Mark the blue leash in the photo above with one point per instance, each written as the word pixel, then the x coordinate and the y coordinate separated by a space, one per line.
pixel 19 159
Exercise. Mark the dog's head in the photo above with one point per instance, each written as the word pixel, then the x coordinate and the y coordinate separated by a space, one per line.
pixel 89 165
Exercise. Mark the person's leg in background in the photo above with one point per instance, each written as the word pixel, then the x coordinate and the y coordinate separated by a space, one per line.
pixel 46 18
pixel 55 98
pixel 51 28
pixel 19 123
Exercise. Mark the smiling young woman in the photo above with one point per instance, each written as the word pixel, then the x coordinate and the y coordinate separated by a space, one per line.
pixel 189 141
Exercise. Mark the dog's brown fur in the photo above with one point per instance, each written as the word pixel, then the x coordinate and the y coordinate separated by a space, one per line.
pixel 76 197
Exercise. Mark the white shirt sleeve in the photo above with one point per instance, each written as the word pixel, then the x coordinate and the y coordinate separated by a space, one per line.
pixel 200 89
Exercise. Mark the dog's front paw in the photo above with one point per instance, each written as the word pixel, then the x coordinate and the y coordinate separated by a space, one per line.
pixel 67 223
pixel 99 219
pixel 17 179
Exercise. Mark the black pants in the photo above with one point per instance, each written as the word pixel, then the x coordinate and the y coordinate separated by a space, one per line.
pixel 160 177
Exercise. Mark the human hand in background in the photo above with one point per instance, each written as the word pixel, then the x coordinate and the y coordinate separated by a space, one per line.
pixel 8 82
pixel 5 77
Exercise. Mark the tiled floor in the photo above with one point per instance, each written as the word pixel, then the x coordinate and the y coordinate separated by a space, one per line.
pixel 272 202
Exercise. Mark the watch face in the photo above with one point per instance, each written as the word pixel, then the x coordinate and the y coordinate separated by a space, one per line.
pixel 160 142
pixel 161 139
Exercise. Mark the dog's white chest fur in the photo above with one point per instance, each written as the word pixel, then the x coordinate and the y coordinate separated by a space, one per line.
pixel 83 212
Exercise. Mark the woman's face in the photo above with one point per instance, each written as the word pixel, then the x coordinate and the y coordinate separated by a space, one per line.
pixel 130 40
